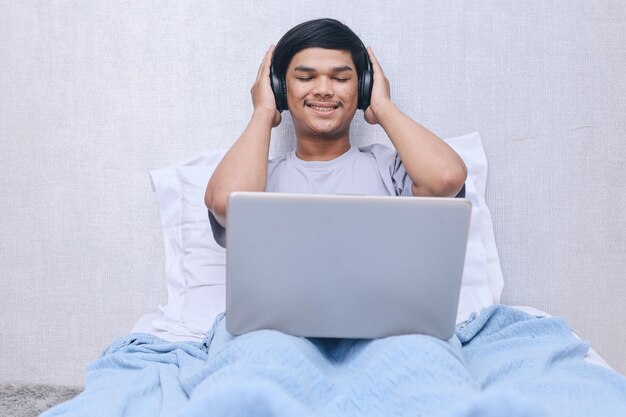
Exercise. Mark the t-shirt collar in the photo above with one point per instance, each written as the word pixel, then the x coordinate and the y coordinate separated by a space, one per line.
pixel 324 164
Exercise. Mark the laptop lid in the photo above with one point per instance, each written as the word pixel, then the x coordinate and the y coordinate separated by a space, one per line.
pixel 344 265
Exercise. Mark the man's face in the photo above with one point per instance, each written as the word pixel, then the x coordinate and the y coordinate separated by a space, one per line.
pixel 322 91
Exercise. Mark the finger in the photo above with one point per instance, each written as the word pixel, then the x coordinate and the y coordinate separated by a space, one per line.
pixel 277 119
pixel 266 57
pixel 264 71
pixel 369 116
pixel 258 73
pixel 377 68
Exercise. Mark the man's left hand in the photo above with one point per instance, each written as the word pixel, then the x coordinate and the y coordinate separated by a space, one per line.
pixel 381 92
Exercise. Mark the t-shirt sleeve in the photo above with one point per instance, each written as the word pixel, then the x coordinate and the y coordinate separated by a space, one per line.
pixel 461 193
pixel 393 172
pixel 219 232
pixel 402 183
pixel 391 169
pixel 401 177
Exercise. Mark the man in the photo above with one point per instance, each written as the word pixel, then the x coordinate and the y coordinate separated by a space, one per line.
pixel 320 62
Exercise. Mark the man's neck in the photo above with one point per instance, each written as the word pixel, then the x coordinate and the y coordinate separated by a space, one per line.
pixel 321 149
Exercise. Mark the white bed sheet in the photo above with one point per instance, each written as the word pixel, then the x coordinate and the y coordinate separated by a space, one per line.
pixel 144 325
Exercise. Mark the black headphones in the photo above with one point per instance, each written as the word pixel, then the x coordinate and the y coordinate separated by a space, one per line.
pixel 366 80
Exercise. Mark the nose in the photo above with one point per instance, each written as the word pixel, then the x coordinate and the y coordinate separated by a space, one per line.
pixel 323 87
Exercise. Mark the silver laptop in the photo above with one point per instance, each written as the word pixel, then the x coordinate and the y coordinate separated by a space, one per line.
pixel 345 266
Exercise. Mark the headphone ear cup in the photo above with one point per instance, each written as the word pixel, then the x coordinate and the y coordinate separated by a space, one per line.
pixel 283 84
pixel 366 82
pixel 279 90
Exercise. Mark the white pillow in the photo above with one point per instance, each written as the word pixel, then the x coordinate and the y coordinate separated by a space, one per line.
pixel 195 263
pixel 482 276
pixel 470 148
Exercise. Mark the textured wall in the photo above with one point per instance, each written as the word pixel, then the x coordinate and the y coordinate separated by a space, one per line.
pixel 95 94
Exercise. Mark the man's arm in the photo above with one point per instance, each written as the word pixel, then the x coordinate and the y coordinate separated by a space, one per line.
pixel 244 166
pixel 433 166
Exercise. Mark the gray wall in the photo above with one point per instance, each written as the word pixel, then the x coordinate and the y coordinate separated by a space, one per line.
pixel 95 94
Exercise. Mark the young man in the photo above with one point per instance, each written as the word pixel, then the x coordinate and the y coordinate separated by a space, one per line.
pixel 320 62
pixel 500 362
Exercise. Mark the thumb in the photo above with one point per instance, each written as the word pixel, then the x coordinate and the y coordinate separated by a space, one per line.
pixel 368 114
pixel 277 119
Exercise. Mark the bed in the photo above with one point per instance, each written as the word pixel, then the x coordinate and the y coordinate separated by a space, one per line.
pixel 95 98
pixel 180 360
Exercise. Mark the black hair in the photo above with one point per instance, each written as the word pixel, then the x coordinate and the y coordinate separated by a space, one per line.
pixel 318 33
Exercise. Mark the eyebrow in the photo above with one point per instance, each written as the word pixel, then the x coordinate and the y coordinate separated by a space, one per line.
pixel 340 68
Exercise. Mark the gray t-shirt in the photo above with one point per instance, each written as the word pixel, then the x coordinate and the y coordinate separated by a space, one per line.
pixel 369 170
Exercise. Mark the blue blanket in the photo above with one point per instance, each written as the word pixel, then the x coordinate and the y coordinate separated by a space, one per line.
pixel 502 362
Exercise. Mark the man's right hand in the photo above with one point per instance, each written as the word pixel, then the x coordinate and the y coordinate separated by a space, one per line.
pixel 244 166
pixel 262 95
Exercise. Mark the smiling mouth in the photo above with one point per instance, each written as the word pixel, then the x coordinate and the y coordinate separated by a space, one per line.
pixel 323 107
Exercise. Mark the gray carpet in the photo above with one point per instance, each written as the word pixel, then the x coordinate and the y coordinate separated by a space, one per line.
pixel 32 400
